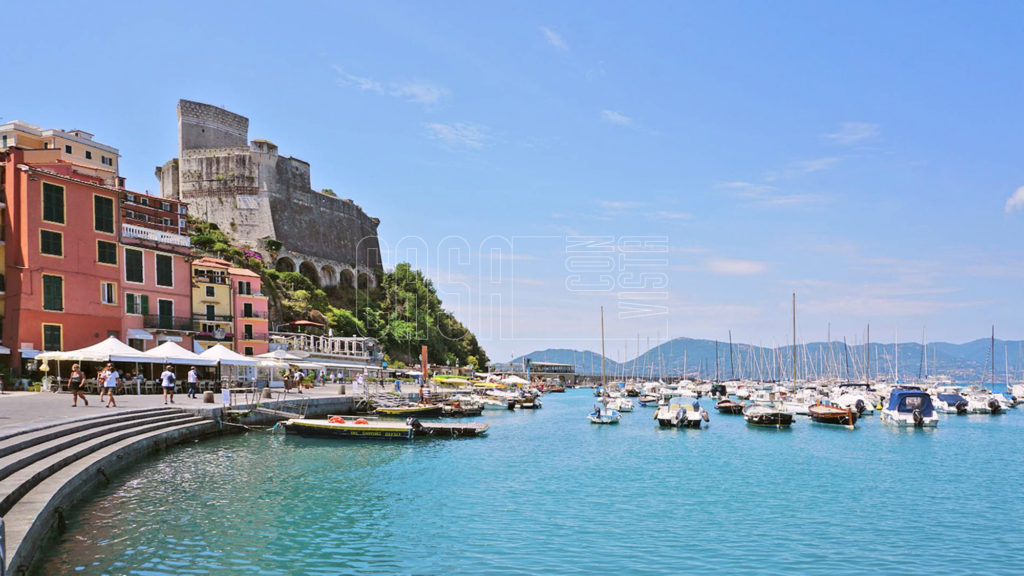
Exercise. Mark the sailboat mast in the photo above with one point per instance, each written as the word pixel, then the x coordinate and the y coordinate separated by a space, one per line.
pixel 993 348
pixel 732 363
pixel 602 348
pixel 869 354
pixel 794 338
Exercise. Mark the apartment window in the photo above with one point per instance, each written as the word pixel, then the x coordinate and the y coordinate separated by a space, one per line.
pixel 133 271
pixel 51 337
pixel 247 332
pixel 248 351
pixel 247 310
pixel 3 141
pixel 53 293
pixel 165 310
pixel 107 160
pixel 209 292
pixel 51 243
pixel 165 206
pixel 138 344
pixel 108 292
pixel 144 201
pixel 211 312
pixel 165 221
pixel 129 198
pixel 182 209
pixel 181 222
pixel 88 155
pixel 67 148
pixel 106 252
pixel 164 270
pixel 103 214
pixel 136 303
pixel 53 203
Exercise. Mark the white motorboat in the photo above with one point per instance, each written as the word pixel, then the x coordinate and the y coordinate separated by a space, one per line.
pixel 682 413
pixel 910 409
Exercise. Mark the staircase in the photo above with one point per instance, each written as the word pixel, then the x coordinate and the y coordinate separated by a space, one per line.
pixel 45 469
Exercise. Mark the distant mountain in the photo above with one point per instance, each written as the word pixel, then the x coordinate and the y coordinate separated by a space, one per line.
pixel 968 362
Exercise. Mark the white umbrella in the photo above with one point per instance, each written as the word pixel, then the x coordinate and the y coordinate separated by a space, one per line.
pixel 171 353
pixel 109 350
pixel 227 357
pixel 515 380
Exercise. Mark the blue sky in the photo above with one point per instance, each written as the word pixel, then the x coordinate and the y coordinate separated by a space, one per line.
pixel 687 166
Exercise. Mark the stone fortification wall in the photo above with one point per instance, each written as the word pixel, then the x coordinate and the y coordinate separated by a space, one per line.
pixel 255 194
pixel 204 126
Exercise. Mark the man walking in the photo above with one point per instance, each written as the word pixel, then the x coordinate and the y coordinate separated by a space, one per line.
pixel 193 382
pixel 167 379
pixel 111 378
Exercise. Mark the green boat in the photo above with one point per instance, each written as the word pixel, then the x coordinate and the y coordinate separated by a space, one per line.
pixel 417 410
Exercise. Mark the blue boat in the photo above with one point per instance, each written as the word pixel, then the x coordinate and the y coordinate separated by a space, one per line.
pixel 951 404
pixel 910 409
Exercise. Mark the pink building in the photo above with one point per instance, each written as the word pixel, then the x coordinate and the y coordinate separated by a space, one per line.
pixel 251 312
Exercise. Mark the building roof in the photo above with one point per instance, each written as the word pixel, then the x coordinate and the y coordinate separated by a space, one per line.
pixel 242 272
pixel 212 263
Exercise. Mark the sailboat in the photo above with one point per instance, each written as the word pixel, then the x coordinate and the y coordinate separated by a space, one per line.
pixel 602 414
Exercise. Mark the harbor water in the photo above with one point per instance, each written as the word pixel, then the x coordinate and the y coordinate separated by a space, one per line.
pixel 547 492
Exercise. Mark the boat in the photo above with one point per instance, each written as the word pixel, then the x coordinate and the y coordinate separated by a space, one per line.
pixel 729 406
pixel 910 409
pixel 648 400
pixel 856 395
pixel 375 429
pixel 949 403
pixel 417 410
pixel 828 414
pixel 601 415
pixel 768 416
pixel 682 413
pixel 622 404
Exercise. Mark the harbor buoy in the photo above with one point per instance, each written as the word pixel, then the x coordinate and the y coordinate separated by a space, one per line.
pixel 336 420
pixel 362 421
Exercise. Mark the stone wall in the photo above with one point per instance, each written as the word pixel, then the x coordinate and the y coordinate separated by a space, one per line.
pixel 204 126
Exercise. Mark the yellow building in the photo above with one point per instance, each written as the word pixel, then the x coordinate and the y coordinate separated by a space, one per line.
pixel 76 147
pixel 212 314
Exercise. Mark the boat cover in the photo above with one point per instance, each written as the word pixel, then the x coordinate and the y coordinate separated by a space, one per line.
pixel 906 401
pixel 952 399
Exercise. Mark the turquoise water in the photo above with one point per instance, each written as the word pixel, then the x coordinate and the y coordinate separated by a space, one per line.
pixel 549 492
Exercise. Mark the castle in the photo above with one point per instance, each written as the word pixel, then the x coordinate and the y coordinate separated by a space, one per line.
pixel 265 200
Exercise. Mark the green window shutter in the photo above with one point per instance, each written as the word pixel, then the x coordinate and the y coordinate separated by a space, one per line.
pixel 103 211
pixel 129 303
pixel 53 293
pixel 53 203
pixel 145 304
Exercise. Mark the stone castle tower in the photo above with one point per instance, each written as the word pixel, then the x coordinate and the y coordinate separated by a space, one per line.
pixel 256 195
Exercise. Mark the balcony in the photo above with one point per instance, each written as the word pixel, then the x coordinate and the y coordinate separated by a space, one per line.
pixel 131 231
pixel 210 278
pixel 179 323
pixel 198 318
pixel 255 336
pixel 253 314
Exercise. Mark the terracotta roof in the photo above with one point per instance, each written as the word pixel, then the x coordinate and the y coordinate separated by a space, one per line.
pixel 242 272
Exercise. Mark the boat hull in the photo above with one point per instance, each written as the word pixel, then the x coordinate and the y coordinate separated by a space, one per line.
pixel 729 407
pixel 416 411
pixel 834 416
pixel 770 419
pixel 325 429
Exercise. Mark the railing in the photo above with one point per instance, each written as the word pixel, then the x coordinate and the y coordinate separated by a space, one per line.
pixel 353 348
pixel 141 233
pixel 253 314
pixel 255 336
pixel 211 278
pixel 199 318
pixel 181 323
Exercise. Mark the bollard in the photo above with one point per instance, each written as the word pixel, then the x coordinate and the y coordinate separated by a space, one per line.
pixel 266 393
pixel 341 390
pixel 208 397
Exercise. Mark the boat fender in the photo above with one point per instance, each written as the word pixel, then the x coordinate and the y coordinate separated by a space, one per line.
pixel 704 415
pixel 994 405
pixel 918 419
pixel 336 420
pixel 860 406
pixel 362 421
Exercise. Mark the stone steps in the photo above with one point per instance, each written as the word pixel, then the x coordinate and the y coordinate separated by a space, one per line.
pixel 46 468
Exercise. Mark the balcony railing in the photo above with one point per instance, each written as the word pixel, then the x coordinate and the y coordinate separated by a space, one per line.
pixel 258 336
pixel 181 323
pixel 142 233
pixel 211 278
pixel 253 314
pixel 212 317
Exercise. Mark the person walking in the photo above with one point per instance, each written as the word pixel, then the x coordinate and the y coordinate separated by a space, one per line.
pixel 193 382
pixel 111 378
pixel 101 379
pixel 76 381
pixel 167 379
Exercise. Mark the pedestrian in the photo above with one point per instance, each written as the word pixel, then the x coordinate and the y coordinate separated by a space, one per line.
pixel 299 377
pixel 76 381
pixel 287 380
pixel 167 379
pixel 110 383
pixel 193 382
pixel 101 379
pixel 398 386
pixel 421 393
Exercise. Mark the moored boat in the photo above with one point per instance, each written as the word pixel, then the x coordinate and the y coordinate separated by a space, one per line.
pixel 729 406
pixel 950 403
pixel 601 415
pixel 827 414
pixel 910 409
pixel 417 410
pixel 682 413
pixel 767 416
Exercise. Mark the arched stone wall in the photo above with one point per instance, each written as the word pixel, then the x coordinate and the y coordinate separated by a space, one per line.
pixel 285 264
pixel 308 269
pixel 328 277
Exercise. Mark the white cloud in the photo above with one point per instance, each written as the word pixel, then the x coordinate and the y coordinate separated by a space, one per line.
pixel 671 215
pixel 458 134
pixel 613 117
pixel 424 93
pixel 850 133
pixel 619 204
pixel 732 267
pixel 1015 202
pixel 554 38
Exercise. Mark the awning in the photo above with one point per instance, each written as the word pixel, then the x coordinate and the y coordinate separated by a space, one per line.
pixel 5 350
pixel 29 353
pixel 139 334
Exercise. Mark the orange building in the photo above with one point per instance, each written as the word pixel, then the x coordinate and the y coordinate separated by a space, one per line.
pixel 156 282
pixel 62 282
pixel 251 309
